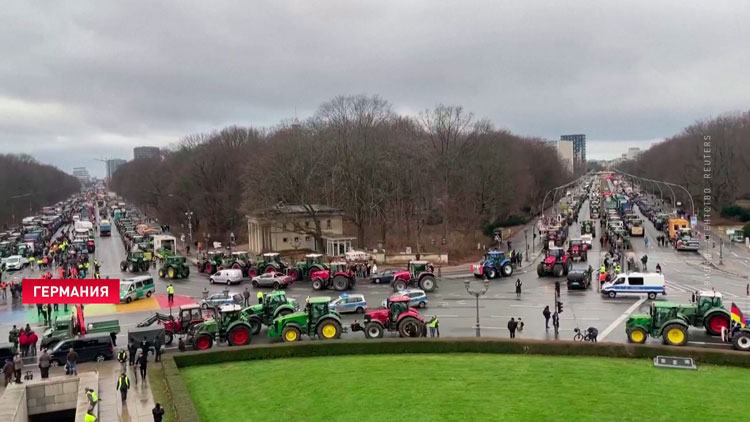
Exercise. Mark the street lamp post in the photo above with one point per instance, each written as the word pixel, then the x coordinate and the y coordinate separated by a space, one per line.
pixel 477 293
pixel 526 240
pixel 189 215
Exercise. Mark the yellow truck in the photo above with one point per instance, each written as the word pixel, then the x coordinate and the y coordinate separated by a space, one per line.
pixel 675 226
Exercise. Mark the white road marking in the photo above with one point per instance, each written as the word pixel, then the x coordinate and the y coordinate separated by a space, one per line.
pixel 447 316
pixel 622 317
pixel 744 263
pixel 527 306
pixel 735 254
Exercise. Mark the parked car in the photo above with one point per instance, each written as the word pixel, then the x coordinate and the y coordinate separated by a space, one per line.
pixel 90 348
pixel 383 277
pixel 274 279
pixel 13 262
pixel 7 351
pixel 349 303
pixel 417 298
pixel 218 300
pixel 230 276
pixel 579 279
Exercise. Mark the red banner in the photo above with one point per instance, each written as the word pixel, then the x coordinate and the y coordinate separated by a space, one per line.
pixel 87 291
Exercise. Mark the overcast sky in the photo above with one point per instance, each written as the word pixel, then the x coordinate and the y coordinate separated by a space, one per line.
pixel 86 80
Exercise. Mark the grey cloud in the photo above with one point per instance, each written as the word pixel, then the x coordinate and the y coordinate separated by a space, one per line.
pixel 148 72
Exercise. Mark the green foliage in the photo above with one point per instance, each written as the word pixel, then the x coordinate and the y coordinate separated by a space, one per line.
pixel 736 211
pixel 512 220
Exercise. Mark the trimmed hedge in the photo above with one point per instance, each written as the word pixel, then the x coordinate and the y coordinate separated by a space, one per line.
pixel 186 411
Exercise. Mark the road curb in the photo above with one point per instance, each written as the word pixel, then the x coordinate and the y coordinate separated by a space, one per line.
pixel 716 267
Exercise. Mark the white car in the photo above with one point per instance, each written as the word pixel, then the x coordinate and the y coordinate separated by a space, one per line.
pixel 417 298
pixel 230 276
pixel 14 262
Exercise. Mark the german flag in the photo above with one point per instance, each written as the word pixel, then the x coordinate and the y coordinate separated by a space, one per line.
pixel 737 316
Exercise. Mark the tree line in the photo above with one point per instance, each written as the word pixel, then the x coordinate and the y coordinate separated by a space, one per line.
pixel 710 158
pixel 26 186
pixel 396 177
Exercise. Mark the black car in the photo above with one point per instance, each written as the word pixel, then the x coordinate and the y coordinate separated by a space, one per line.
pixel 90 348
pixel 579 279
pixel 7 352
pixel 385 276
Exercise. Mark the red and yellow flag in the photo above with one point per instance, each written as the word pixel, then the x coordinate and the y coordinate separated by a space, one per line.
pixel 737 316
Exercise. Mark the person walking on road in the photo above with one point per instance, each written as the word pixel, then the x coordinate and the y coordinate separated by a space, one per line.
pixel 158 412
pixel 645 240
pixel 547 315
pixel 72 359
pixel 93 398
pixel 246 297
pixel 520 325
pixel 556 322
pixel 157 350
pixel 170 293
pixel 518 287
pixel 13 337
pixel 260 297
pixel 123 385
pixel 512 325
pixel 8 371
pixel 143 364
pixel 122 357
pixel 658 268
pixel 132 351
pixel 434 326
pixel 44 363
pixel 644 260
pixel 17 367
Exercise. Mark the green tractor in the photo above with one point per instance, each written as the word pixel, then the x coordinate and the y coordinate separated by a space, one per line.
pixel 229 324
pixel 175 266
pixel 135 262
pixel 269 262
pixel 588 227
pixel 303 269
pixel 238 260
pixel 670 321
pixel 275 304
pixel 316 319
pixel 211 262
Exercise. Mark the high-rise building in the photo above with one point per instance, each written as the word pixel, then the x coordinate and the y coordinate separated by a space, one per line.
pixel 146 152
pixel 81 174
pixel 579 146
pixel 112 166
pixel 564 152
pixel 633 153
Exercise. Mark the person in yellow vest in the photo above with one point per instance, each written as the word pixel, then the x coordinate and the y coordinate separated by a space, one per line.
pixel 617 269
pixel 260 297
pixel 32 260
pixel 170 293
pixel 90 417
pixel 93 399
pixel 434 326
pixel 123 385
pixel 602 269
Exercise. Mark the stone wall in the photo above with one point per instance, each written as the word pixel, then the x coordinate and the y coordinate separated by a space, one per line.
pixel 55 394
pixel 50 395
pixel 13 404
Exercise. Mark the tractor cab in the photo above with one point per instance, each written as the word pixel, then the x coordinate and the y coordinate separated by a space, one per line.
pixel 174 260
pixel 577 246
pixel 317 307
pixel 273 300
pixel 241 256
pixel 190 314
pixel 494 257
pixel 397 305
pixel 215 255
pixel 138 256
pixel 707 300
pixel 313 258
pixel 418 267
pixel 271 257
pixel 338 267
pixel 661 312
pixel 229 313
pixel 555 254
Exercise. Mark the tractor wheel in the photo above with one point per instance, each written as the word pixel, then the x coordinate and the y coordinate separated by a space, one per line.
pixel 201 267
pixel 131 267
pixel 270 269
pixel 329 329
pixel 427 283
pixel 675 335
pixel 239 335
pixel 294 275
pixel 290 333
pixel 123 266
pixel 252 272
pixel 203 342
pixel 507 270
pixel 185 272
pixel 715 322
pixel 168 337
pixel 144 266
pixel 208 269
pixel 637 335
pixel 540 270
pixel 220 268
pixel 255 325
pixel 373 330
pixel 317 284
pixel 491 272
pixel 171 273
pixel 162 274
pixel 409 327
pixel 340 283
pixel 399 285
pixel 741 341
pixel 283 312
pixel 558 270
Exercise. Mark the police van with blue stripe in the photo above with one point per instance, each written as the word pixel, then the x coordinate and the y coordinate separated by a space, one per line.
pixel 651 284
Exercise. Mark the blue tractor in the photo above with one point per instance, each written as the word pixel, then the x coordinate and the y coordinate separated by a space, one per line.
pixel 495 264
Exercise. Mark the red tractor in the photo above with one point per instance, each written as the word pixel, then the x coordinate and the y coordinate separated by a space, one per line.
pixel 337 277
pixel 556 263
pixel 419 273
pixel 188 316
pixel 396 317
pixel 578 250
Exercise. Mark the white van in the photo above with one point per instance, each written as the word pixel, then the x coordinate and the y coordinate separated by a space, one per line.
pixel 649 283
pixel 229 276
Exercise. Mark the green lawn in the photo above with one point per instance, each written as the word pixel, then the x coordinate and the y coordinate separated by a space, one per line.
pixel 464 387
